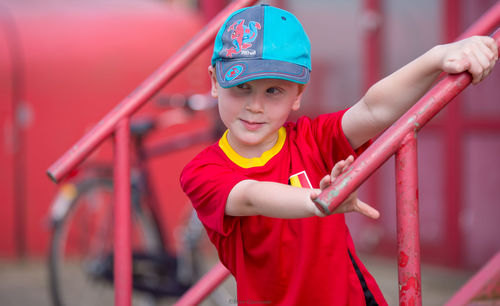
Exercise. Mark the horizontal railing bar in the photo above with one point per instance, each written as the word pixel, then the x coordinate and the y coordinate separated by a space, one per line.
pixel 387 144
pixel 76 154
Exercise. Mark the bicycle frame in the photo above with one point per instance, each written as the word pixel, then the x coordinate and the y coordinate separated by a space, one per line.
pixel 144 152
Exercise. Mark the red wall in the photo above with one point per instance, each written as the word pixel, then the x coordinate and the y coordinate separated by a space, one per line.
pixel 6 150
pixel 78 61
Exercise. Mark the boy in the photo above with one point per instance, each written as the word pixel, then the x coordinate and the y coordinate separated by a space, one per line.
pixel 267 231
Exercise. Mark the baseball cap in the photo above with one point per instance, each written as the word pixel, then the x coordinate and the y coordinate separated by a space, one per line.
pixel 261 42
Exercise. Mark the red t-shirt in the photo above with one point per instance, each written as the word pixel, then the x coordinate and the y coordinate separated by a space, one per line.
pixel 308 261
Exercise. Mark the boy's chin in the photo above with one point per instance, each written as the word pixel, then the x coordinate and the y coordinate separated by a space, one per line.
pixel 256 140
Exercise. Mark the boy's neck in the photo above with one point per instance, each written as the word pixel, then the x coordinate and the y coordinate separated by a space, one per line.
pixel 252 151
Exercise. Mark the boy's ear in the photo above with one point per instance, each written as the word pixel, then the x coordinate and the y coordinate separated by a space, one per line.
pixel 298 100
pixel 213 81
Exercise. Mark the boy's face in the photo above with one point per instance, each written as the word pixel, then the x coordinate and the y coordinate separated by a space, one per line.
pixel 254 111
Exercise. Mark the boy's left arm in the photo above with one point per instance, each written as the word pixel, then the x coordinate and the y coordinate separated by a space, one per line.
pixel 392 96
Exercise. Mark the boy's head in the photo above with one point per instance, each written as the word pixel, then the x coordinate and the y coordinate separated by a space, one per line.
pixel 261 42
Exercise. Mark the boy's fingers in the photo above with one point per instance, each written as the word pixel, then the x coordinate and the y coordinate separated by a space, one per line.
pixel 488 51
pixel 341 166
pixel 492 55
pixel 367 210
pixel 482 57
pixel 492 45
pixel 337 169
pixel 485 59
pixel 313 195
pixel 325 181
pixel 348 162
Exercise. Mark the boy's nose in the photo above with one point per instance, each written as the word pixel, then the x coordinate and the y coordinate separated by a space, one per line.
pixel 254 104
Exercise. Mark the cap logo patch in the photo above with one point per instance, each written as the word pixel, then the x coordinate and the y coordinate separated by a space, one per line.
pixel 242 37
pixel 233 72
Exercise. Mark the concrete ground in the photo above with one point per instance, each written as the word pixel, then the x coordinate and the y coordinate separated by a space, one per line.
pixel 438 284
pixel 25 283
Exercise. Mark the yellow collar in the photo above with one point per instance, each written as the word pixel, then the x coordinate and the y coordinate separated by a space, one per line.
pixel 246 163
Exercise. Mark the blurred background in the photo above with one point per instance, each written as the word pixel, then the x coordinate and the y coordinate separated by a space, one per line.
pixel 64 64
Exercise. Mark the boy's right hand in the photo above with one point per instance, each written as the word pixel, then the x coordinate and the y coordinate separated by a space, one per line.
pixel 352 203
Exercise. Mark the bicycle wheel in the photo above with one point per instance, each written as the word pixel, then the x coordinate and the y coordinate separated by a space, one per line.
pixel 198 256
pixel 81 250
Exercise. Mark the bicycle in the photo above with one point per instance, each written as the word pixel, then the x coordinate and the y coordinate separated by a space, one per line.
pixel 81 248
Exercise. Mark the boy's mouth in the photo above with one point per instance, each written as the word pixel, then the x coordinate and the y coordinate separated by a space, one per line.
pixel 251 125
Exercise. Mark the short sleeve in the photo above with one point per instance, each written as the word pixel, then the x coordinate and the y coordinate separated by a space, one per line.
pixel 208 184
pixel 332 142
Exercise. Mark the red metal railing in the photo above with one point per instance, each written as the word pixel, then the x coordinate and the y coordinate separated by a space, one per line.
pixel 122 263
pixel 196 294
pixel 400 139
pixel 483 287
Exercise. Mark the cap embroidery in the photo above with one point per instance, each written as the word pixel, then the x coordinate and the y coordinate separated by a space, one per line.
pixel 234 71
pixel 242 36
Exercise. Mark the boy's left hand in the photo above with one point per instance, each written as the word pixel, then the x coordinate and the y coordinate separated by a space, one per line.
pixel 476 54
pixel 352 203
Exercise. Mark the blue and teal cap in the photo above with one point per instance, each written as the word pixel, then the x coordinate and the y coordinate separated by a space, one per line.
pixel 261 42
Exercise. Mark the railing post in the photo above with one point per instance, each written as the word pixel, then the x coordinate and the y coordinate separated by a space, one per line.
pixel 407 222
pixel 122 241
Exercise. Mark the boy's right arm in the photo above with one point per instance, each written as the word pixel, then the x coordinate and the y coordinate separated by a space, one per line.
pixel 270 199
pixel 252 198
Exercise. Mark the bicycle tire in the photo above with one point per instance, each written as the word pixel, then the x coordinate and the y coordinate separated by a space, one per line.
pixel 80 272
pixel 198 257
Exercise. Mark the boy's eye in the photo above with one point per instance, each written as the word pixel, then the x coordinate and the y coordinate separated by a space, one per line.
pixel 274 90
pixel 243 86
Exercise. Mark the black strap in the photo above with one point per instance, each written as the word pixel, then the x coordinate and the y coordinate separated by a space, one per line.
pixel 369 299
